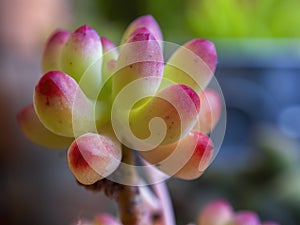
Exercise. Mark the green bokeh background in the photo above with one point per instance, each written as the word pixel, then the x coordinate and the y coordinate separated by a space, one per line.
pixel 205 18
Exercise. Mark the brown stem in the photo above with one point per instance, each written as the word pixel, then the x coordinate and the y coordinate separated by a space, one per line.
pixel 132 211
pixel 128 196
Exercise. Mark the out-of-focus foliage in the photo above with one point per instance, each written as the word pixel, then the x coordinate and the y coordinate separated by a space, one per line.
pixel 112 17
pixel 183 19
pixel 244 18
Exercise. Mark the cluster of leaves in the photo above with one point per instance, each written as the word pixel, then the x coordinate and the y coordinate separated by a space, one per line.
pixel 95 99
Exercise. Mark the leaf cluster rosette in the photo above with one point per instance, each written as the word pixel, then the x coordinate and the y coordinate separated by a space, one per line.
pixel 95 98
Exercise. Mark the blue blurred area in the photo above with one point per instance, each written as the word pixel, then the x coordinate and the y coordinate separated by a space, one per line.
pixel 257 167
pixel 260 81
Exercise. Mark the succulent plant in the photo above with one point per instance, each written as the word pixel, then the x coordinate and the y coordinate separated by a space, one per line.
pixel 102 102
pixel 85 89
pixel 227 216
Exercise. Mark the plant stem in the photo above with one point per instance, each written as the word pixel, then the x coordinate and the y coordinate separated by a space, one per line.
pixel 166 205
pixel 162 193
pixel 128 196
pixel 132 202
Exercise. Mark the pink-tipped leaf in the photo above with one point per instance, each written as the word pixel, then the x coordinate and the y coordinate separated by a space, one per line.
pixel 61 105
pixel 81 58
pixel 147 22
pixel 53 49
pixel 140 58
pixel 192 64
pixel 218 212
pixel 187 158
pixel 93 156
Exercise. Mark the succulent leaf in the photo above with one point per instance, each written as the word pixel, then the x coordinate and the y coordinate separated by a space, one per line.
pixel 192 64
pixel 93 156
pixel 61 105
pixel 37 133
pixel 81 58
pixel 53 49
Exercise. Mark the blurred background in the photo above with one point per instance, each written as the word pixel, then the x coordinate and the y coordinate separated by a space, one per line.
pixel 258 45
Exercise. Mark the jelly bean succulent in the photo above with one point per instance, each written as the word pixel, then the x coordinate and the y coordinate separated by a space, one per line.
pixel 227 215
pixel 216 212
pixel 116 107
pixel 94 98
